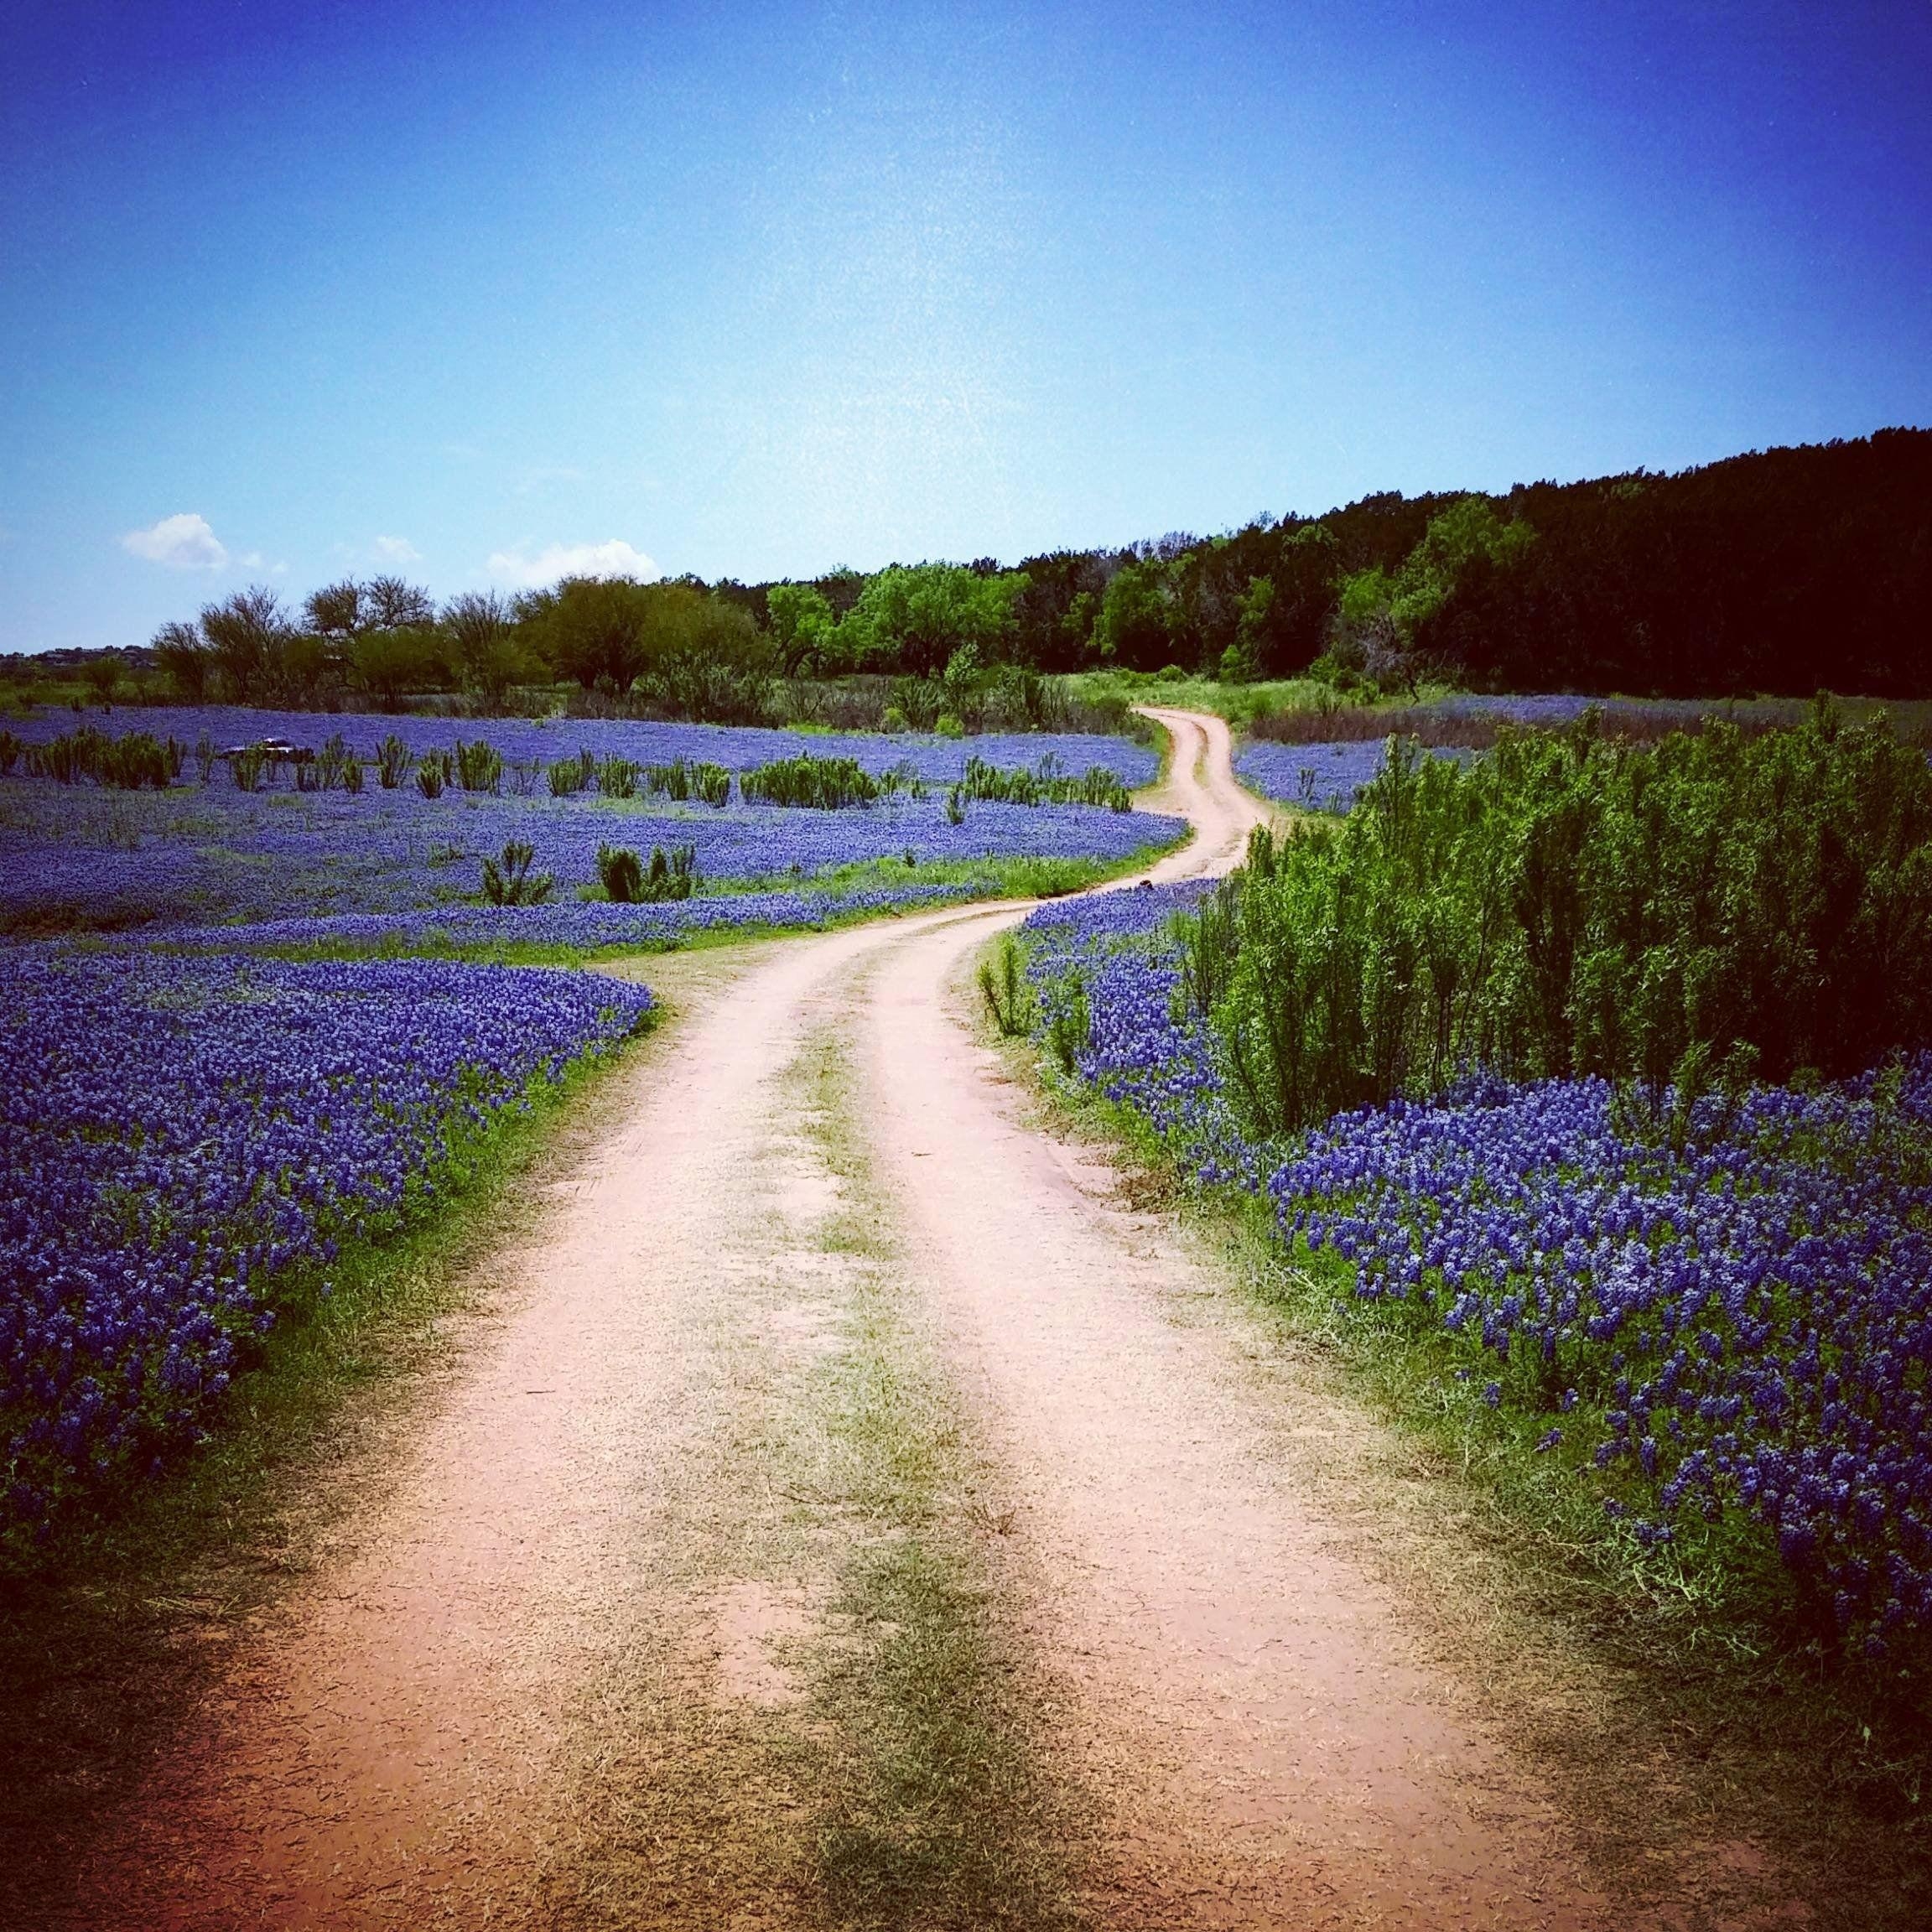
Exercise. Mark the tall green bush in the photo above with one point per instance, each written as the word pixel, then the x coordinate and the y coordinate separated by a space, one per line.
pixel 1711 907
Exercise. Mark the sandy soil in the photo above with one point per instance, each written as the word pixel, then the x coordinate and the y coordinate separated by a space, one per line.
pixel 575 1575
pixel 1269 1748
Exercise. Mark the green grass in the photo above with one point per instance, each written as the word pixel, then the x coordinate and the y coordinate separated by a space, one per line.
pixel 1238 703
pixel 936 1811
pixel 110 1630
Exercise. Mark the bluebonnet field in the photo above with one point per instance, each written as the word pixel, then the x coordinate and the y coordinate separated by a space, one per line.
pixel 193 1129
pixel 182 1137
pixel 1735 1319
pixel 737 748
pixel 1318 778
pixel 78 857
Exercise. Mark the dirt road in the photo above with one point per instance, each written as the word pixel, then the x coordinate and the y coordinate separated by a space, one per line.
pixel 843 1517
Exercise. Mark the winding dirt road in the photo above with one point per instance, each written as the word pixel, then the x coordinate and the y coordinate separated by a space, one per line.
pixel 607 1642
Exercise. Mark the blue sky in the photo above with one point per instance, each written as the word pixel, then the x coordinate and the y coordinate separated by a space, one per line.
pixel 478 291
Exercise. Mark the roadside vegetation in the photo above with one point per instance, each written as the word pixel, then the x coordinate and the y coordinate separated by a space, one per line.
pixel 117 1610
pixel 1580 1099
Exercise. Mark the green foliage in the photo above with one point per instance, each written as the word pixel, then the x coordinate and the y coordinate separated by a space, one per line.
pixel 914 618
pixel 621 873
pixel 245 635
pixel 393 758
pixel 617 777
pixel 1136 628
pixel 683 649
pixel 566 777
pixel 1692 913
pixel 391 663
pixel 672 874
pixel 433 770
pixel 1047 785
pixel 127 763
pixel 333 764
pixel 484 647
pixel 803 623
pixel 508 880
pixel 1070 1024
pixel 1381 617
pixel 1008 997
pixel 684 779
pixel 826 784
pixel 185 661
pixel 479 766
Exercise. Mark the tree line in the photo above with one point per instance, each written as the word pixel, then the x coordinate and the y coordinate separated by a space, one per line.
pixel 1778 572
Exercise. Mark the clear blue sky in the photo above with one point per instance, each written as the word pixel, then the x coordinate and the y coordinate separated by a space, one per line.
pixel 292 290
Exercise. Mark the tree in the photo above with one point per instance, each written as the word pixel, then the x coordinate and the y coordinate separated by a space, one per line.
pixel 246 633
pixel 590 629
pixel 1382 621
pixel 481 628
pixel 705 659
pixel 102 672
pixel 337 610
pixel 389 664
pixel 1133 630
pixel 389 604
pixel 802 624
pixel 913 618
pixel 1290 635
pixel 185 659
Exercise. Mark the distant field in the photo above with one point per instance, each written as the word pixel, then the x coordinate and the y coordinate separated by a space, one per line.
pixel 322 864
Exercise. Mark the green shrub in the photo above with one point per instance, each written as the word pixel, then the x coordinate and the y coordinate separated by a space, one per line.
pixel 617 778
pixel 682 779
pixel 508 880
pixel 479 766
pixel 621 873
pixel 824 784
pixel 1703 909
pixel 1008 998
pixel 393 761
pixel 672 874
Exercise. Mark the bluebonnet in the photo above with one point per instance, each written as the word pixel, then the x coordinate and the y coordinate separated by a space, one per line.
pixel 1319 777
pixel 80 858
pixel 181 1138
pixel 1742 1319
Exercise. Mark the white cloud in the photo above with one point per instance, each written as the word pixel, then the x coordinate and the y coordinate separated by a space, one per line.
pixel 396 550
pixel 616 558
pixel 182 542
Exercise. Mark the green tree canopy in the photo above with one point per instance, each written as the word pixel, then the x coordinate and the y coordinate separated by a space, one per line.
pixel 913 617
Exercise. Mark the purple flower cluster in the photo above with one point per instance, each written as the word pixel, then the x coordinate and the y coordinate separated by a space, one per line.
pixel 1739 1318
pixel 180 1138
pixel 73 857
pixel 735 747
pixel 588 925
pixel 1319 777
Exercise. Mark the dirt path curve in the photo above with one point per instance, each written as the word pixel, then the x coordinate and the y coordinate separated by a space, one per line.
pixel 1270 1749
pixel 425 1733
pixel 395 1747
